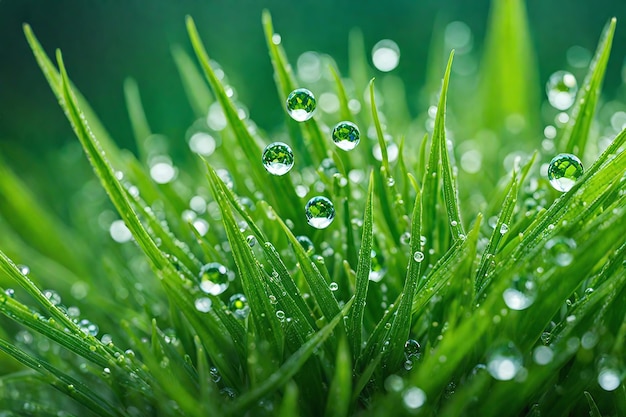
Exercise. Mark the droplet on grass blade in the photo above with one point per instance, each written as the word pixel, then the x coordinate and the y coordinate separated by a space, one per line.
pixel 320 212
pixel 561 89
pixel 418 256
pixel 238 305
pixel 521 294
pixel 346 135
pixel 560 250
pixel 214 278
pixel 203 304
pixel 504 361
pixel 564 170
pixel 277 158
pixel 301 104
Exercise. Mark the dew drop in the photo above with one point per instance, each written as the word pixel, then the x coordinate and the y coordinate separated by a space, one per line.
pixel 88 327
pixel 543 355
pixel 333 286
pixel 238 305
pixel 564 170
pixel 521 294
pixel 504 361
pixel 346 135
pixel 504 228
pixel 320 212
pixel 306 244
pixel 405 238
pixel 203 304
pixel 251 240
pixel 162 172
pixel 119 232
pixel 385 55
pixel 560 250
pixel 413 398
pixel 377 268
pixel 214 278
pixel 280 315
pixel 277 158
pixel 561 89
pixel 24 269
pixel 301 104
pixel 418 256
pixel 411 349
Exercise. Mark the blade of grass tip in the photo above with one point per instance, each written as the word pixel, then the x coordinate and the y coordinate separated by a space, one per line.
pixel 379 130
pixel 289 404
pixel 320 290
pixel 576 134
pixel 250 275
pixel 420 170
pixel 593 407
pixel 198 93
pixel 401 325
pixel 137 116
pixel 450 189
pixel 63 382
pixel 286 83
pixel 290 367
pixel 339 393
pixel 355 327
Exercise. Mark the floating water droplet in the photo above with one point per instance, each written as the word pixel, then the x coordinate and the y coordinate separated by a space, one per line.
pixel 53 297
pixel 214 278
pixel 320 212
pixel 301 104
pixel 504 361
pixel 238 305
pixel 521 294
pixel 346 135
pixel 277 158
pixel 119 232
pixel 564 170
pixel 560 250
pixel 385 55
pixel 609 375
pixel 418 256
pixel 504 228
pixel 561 89
pixel 203 304
pixel 202 144
pixel 162 172
pixel 413 398
pixel 333 286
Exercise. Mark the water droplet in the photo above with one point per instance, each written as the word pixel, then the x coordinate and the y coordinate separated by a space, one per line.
pixel 346 135
pixel 203 304
pixel 238 305
pixel 386 55
pixel 162 172
pixel 88 327
pixel 251 240
pixel 202 144
pixel 53 297
pixel 504 228
pixel 377 268
pixel 609 379
pixel 333 286
pixel 301 104
pixel 280 315
pixel 306 244
pixel 504 361
pixel 273 299
pixel 320 212
pixel 454 223
pixel 521 294
pixel 119 232
pixel 10 292
pixel 391 182
pixel 413 398
pixel 408 364
pixel 24 269
pixel 411 349
pixel 405 238
pixel 560 250
pixel 418 256
pixel 543 355
pixel 564 170
pixel 394 383
pixel 561 89
pixel 215 374
pixel 214 278
pixel 277 158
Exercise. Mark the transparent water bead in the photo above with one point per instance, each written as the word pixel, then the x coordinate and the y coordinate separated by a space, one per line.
pixel 560 250
pixel 413 398
pixel 504 361
pixel 385 55
pixel 564 170
pixel 277 158
pixel 88 327
pixel 418 256
pixel 320 212
pixel 346 135
pixel 411 349
pixel 214 278
pixel 203 304
pixel 238 305
pixel 306 244
pixel 301 104
pixel 333 286
pixel 561 89
pixel 521 294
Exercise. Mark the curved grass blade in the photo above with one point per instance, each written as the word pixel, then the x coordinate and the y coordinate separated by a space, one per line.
pixel 355 327
pixel 576 134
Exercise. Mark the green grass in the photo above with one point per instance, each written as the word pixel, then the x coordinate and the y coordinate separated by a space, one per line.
pixel 421 249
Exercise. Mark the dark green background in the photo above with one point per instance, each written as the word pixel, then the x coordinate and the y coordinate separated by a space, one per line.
pixel 105 41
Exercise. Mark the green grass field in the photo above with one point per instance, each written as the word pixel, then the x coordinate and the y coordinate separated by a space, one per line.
pixel 458 266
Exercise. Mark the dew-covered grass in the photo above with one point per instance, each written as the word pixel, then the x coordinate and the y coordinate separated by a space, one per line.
pixel 356 261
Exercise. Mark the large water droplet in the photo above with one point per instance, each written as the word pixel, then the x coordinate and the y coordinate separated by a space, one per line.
pixel 413 398
pixel 609 375
pixel 560 250
pixel 564 170
pixel 277 158
pixel 412 349
pixel 320 212
pixel 521 294
pixel 238 305
pixel 386 55
pixel 214 278
pixel 504 361
pixel 346 135
pixel 301 104
pixel 561 89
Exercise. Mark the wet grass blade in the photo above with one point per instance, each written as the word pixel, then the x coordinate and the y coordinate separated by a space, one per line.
pixel 576 134
pixel 355 327
pixel 339 395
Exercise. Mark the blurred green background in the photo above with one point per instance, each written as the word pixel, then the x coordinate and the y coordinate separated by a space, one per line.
pixel 105 41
